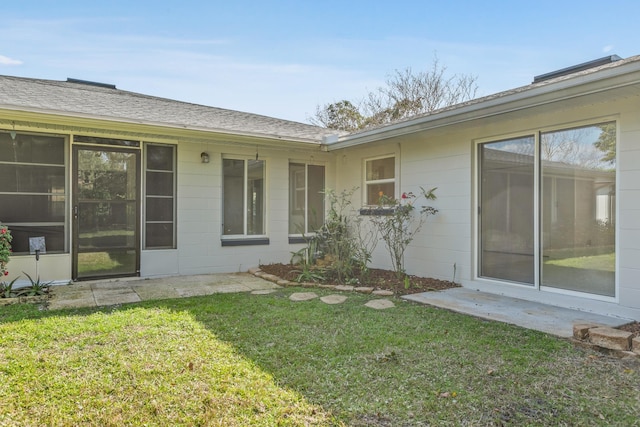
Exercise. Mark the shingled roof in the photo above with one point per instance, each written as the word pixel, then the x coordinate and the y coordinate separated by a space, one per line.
pixel 77 98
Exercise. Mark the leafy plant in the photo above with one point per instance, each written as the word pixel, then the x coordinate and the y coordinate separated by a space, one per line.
pixel 37 287
pixel 306 258
pixel 344 241
pixel 6 289
pixel 5 249
pixel 398 225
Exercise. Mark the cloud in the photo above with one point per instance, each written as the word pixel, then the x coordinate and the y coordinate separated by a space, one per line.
pixel 5 60
pixel 607 48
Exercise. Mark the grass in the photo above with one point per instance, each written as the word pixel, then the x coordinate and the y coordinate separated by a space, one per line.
pixel 604 262
pixel 240 359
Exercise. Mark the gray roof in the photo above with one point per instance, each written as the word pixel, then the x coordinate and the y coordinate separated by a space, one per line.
pixel 74 98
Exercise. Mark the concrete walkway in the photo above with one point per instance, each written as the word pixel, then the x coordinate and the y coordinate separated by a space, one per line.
pixel 546 318
pixel 112 292
pixel 553 320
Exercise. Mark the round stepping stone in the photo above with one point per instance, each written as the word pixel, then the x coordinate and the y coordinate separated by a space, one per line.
pixel 333 299
pixel 303 296
pixel 380 304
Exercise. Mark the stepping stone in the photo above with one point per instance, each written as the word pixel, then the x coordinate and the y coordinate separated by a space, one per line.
pixel 263 292
pixel 380 304
pixel 382 293
pixel 303 296
pixel 333 299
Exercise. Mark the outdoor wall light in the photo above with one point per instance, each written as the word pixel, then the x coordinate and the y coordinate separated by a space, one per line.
pixel 204 157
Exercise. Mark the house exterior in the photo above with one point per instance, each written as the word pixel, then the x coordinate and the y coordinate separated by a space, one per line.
pixel 538 187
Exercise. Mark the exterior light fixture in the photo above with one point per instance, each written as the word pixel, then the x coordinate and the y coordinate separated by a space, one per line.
pixel 204 157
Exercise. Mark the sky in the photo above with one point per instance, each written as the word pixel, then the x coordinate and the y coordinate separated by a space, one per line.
pixel 285 58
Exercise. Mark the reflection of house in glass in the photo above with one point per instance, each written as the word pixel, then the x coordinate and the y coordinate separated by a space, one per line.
pixel 577 230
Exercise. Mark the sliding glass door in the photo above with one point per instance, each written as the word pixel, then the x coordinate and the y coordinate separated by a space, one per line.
pixel 547 206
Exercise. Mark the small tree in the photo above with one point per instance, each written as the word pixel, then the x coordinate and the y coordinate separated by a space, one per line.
pixel 5 249
pixel 399 225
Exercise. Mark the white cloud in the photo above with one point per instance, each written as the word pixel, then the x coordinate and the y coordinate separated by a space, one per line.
pixel 607 48
pixel 5 60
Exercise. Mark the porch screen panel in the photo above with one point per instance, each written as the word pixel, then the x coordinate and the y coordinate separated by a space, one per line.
pixel 578 209
pixel 507 210
pixel 160 204
pixel 33 194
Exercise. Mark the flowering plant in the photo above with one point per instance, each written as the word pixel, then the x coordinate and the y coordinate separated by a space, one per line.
pixel 5 249
pixel 399 226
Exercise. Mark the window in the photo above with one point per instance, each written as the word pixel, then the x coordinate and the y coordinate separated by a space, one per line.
pixel 33 189
pixel 380 179
pixel 243 197
pixel 306 198
pixel 160 197
pixel 573 188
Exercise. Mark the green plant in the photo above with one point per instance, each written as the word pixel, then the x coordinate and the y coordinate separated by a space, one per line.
pixel 37 287
pixel 306 258
pixel 398 225
pixel 6 289
pixel 5 249
pixel 343 244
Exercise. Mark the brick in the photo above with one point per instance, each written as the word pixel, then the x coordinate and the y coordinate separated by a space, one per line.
pixel 613 339
pixel 636 345
pixel 581 330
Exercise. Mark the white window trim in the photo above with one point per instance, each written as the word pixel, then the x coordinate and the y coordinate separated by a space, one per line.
pixel 245 236
pixel 394 180
pixel 306 165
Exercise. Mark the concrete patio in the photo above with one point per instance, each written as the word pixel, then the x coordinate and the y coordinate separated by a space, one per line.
pixel 122 291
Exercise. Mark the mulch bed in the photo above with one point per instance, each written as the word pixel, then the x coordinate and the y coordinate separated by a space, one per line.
pixel 633 327
pixel 376 278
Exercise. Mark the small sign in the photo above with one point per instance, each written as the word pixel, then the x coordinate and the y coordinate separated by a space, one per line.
pixel 37 244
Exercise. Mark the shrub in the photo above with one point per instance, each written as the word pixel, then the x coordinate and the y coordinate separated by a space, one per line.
pixel 397 225
pixel 5 249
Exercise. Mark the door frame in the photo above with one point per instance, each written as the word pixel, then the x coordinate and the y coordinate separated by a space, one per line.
pixel 74 207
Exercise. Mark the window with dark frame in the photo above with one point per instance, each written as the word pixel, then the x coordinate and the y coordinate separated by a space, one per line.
pixel 33 195
pixel 160 196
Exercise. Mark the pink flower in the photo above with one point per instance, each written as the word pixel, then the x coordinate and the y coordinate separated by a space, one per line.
pixel 6 273
pixel 4 231
pixel 404 196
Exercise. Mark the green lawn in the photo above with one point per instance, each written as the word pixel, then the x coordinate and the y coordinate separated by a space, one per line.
pixel 603 262
pixel 240 359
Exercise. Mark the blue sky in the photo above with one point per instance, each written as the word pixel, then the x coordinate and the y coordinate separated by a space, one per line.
pixel 283 58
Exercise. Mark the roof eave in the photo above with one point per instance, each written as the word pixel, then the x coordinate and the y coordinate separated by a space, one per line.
pixel 528 97
pixel 172 126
